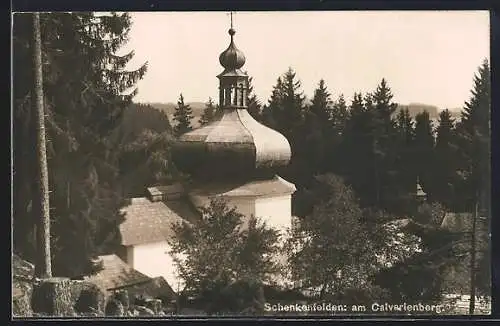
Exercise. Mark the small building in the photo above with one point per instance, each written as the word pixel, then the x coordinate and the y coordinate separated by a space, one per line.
pixel 147 229
pixel 117 275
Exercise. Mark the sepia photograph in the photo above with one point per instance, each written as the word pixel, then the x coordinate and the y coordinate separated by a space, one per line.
pixel 211 164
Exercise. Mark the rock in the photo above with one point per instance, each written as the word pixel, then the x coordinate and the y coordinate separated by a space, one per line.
pixel 23 275
pixel 88 297
pixel 143 311
pixel 21 299
pixel 122 297
pixel 53 296
pixel 154 304
pixel 115 308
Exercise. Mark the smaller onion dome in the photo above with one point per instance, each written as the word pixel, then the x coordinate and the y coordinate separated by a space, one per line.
pixel 232 58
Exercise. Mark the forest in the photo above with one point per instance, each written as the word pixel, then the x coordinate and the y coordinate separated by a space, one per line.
pixel 356 161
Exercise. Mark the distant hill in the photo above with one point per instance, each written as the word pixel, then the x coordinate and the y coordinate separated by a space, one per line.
pixel 198 107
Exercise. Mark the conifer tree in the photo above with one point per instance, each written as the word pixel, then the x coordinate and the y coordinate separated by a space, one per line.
pixel 272 110
pixel 208 114
pixel 424 151
pixel 254 105
pixel 182 116
pixel 86 92
pixel 474 139
pixel 355 149
pixel 404 164
pixel 285 114
pixel 446 160
pixel 339 115
pixel 383 145
pixel 318 127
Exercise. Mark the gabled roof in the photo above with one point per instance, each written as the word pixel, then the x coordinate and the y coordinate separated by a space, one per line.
pixel 258 188
pixel 457 222
pixel 149 221
pixel 157 287
pixel 116 274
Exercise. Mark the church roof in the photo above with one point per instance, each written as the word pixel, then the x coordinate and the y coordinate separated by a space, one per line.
pixel 149 221
pixel 236 145
pixel 257 188
pixel 116 274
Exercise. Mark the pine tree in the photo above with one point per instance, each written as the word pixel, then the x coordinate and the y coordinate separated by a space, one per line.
pixel 272 110
pixel 318 127
pixel 254 105
pixel 474 139
pixel 383 146
pixel 339 115
pixel 404 164
pixel 423 150
pixel 208 114
pixel 446 159
pixel 86 93
pixel 285 113
pixel 182 116
pixel 321 105
pixel 355 154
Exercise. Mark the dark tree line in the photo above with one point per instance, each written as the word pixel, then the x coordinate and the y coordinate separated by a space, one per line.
pixel 84 84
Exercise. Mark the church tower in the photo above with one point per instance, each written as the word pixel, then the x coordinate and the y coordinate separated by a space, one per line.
pixel 236 157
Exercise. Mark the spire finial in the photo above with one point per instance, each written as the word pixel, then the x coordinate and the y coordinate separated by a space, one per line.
pixel 231 30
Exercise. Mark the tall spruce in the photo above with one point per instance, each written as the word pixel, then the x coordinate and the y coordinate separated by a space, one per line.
pixel 423 150
pixel 285 113
pixel 254 105
pixel 474 136
pixel 318 127
pixel 182 117
pixel 446 160
pixel 355 152
pixel 86 92
pixel 404 164
pixel 385 180
pixel 208 114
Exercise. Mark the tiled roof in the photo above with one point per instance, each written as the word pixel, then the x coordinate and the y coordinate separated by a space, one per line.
pixel 157 287
pixel 261 188
pixel 457 221
pixel 116 274
pixel 147 221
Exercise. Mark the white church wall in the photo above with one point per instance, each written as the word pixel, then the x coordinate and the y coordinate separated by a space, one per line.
pixel 153 259
pixel 276 211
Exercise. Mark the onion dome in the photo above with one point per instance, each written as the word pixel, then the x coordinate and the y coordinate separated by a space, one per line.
pixel 236 146
pixel 232 58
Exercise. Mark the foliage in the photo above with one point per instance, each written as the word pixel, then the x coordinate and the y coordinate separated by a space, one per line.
pixel 182 116
pixel 86 90
pixel 221 250
pixel 254 105
pixel 330 250
pixel 208 113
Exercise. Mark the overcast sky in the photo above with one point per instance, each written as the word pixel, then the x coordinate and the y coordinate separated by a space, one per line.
pixel 426 57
